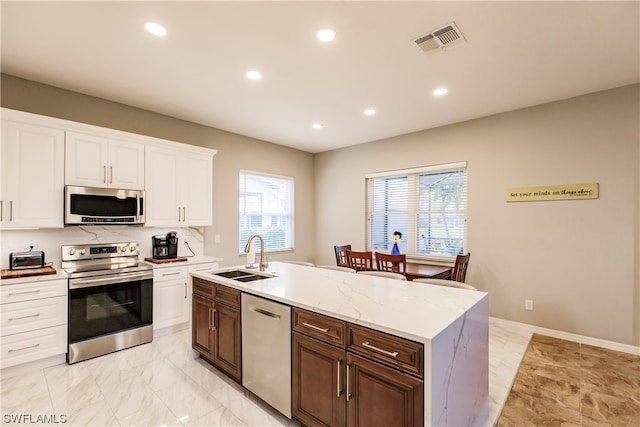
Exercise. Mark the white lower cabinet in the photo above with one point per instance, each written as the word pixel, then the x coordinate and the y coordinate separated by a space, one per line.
pixel 33 321
pixel 172 294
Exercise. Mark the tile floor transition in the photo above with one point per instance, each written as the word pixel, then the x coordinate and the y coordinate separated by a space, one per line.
pixel 564 383
pixel 160 384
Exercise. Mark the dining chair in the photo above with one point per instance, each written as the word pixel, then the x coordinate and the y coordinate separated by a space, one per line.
pixel 445 282
pixel 459 271
pixel 360 261
pixel 392 263
pixel 337 268
pixel 387 274
pixel 341 255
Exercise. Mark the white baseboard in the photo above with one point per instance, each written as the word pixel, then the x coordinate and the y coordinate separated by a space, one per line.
pixel 597 342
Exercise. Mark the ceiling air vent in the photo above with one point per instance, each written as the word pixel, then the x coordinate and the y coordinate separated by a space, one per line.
pixel 440 39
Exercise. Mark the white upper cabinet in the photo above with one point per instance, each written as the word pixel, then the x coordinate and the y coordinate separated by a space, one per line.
pixel 179 187
pixel 96 161
pixel 32 190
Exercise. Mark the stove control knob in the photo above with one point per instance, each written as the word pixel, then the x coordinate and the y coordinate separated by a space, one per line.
pixel 82 251
pixel 133 248
pixel 71 251
pixel 123 248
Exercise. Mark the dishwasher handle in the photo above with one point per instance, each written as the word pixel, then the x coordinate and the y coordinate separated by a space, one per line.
pixel 263 312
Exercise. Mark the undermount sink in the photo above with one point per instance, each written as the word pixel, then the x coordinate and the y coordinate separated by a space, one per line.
pixel 242 275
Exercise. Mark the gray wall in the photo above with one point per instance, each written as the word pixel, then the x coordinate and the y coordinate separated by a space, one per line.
pixel 235 152
pixel 578 260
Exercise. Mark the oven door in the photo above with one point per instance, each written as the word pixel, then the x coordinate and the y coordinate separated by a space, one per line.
pixel 108 310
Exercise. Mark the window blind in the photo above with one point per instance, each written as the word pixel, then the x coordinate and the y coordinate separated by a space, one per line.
pixel 427 205
pixel 266 208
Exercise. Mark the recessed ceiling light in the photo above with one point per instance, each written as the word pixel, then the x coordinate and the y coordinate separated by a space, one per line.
pixel 155 29
pixel 369 112
pixel 326 35
pixel 440 91
pixel 317 126
pixel 253 75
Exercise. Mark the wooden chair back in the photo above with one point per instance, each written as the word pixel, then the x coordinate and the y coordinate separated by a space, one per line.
pixel 391 263
pixel 360 261
pixel 459 272
pixel 341 255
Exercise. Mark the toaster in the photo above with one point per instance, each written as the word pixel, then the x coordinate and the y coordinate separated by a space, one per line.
pixel 26 260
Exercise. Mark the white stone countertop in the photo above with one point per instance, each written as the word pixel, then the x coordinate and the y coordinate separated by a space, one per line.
pixel 196 260
pixel 416 311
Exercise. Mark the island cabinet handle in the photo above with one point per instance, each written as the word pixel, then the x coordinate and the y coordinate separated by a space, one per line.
pixel 348 394
pixel 315 328
pixel 338 383
pixel 385 352
pixel 185 290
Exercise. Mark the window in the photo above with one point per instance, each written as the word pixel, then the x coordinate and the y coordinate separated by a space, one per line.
pixel 266 208
pixel 427 205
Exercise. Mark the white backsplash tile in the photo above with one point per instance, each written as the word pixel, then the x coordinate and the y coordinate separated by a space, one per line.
pixel 51 240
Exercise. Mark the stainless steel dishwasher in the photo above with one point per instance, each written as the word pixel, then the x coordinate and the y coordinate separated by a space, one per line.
pixel 266 351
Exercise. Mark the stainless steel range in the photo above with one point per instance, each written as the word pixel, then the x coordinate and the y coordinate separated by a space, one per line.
pixel 110 299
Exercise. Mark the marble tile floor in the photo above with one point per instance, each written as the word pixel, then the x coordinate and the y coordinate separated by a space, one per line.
pixel 160 384
pixel 564 383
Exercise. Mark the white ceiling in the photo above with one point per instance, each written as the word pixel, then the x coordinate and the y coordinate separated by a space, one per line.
pixel 517 54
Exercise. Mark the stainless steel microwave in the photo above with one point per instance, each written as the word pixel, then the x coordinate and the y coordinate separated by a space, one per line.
pixel 103 206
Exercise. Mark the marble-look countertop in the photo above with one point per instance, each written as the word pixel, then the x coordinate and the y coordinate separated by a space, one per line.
pixel 60 274
pixel 196 260
pixel 416 311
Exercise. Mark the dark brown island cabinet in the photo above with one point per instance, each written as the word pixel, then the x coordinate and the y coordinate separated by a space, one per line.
pixel 347 375
pixel 216 326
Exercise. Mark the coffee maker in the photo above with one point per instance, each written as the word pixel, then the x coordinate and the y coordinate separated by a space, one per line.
pixel 165 246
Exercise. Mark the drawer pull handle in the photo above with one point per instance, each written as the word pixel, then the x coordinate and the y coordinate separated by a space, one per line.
pixel 385 352
pixel 24 292
pixel 315 328
pixel 170 274
pixel 23 317
pixel 12 350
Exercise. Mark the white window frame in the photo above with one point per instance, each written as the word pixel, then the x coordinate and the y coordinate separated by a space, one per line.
pixel 289 214
pixel 410 236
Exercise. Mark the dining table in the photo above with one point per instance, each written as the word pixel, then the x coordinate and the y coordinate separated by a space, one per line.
pixel 417 270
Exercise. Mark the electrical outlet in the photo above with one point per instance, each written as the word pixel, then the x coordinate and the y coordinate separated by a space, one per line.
pixel 29 247
pixel 528 304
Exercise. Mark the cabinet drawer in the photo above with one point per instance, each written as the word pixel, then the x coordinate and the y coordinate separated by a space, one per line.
pixel 228 296
pixel 29 315
pixel 33 290
pixel 406 355
pixel 203 288
pixel 324 328
pixel 34 345
pixel 160 274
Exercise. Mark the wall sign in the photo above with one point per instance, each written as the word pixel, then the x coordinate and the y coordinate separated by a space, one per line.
pixel 553 192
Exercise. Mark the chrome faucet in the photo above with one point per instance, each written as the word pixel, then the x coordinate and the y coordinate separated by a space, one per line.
pixel 263 264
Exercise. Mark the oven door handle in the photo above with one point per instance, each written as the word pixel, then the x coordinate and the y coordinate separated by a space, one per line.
pixel 111 280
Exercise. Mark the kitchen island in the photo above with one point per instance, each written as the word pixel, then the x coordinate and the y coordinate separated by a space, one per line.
pixel 451 326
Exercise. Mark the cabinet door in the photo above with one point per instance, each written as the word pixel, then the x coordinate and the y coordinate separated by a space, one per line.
pixel 196 189
pixel 86 158
pixel 161 175
pixel 202 324
pixel 126 165
pixel 32 176
pixel 227 343
pixel 382 396
pixel 170 305
pixel 318 382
